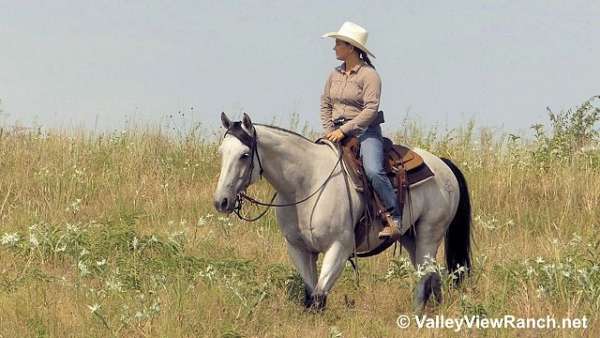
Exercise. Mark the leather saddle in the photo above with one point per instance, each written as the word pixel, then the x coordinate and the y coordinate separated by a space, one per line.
pixel 403 166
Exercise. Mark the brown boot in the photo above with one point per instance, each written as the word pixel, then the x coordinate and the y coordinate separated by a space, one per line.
pixel 393 229
pixel 390 231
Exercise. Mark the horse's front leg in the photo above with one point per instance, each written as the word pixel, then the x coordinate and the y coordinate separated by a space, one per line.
pixel 306 264
pixel 333 264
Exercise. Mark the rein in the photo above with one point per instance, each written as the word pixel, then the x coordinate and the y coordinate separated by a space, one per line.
pixel 251 141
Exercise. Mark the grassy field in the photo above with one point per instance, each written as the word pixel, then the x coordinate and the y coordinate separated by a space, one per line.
pixel 114 234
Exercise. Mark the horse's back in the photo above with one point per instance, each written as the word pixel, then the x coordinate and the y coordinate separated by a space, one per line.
pixel 440 191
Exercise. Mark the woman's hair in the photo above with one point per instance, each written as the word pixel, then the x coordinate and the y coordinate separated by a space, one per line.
pixel 365 57
pixel 361 54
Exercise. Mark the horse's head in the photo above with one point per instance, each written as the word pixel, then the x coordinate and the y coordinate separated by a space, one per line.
pixel 240 163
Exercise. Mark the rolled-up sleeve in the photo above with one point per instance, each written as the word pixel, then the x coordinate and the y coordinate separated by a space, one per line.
pixel 371 96
pixel 327 107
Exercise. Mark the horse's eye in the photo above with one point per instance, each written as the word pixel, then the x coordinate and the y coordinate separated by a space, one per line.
pixel 245 156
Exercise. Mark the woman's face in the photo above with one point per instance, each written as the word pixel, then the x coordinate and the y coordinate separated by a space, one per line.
pixel 342 49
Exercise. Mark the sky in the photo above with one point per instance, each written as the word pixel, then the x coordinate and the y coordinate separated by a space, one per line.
pixel 107 65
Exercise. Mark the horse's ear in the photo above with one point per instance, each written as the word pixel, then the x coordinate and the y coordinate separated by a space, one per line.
pixel 247 122
pixel 225 120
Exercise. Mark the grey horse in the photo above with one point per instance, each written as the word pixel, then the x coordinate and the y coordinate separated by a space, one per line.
pixel 297 168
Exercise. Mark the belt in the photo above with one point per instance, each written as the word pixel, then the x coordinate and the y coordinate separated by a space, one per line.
pixel 340 121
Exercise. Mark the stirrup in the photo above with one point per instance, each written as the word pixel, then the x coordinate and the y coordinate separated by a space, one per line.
pixel 390 231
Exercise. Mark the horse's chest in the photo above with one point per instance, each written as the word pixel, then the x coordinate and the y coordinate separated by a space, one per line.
pixel 300 231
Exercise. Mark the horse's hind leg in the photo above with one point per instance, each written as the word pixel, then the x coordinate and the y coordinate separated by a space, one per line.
pixel 430 283
pixel 408 242
pixel 306 264
pixel 428 240
pixel 333 264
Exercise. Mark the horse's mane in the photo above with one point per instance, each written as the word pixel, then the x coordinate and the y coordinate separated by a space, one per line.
pixel 285 131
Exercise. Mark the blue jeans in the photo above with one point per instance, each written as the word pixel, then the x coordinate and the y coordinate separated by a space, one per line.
pixel 371 153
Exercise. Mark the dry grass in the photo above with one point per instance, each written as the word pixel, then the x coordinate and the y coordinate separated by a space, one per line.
pixel 114 235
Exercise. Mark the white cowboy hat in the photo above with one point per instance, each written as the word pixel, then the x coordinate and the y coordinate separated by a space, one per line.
pixel 353 34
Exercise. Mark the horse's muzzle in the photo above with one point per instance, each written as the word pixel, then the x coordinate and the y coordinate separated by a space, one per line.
pixel 224 205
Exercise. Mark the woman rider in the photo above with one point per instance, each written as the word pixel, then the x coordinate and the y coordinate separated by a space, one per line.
pixel 350 106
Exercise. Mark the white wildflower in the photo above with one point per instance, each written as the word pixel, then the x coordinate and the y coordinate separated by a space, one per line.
pixel 94 308
pixel 83 269
pixel 540 291
pixel 530 271
pixel 155 308
pixel 33 240
pixel 334 331
pixel 208 273
pixel 72 228
pixel 114 284
pixel 576 240
pixel 177 237
pixel 460 269
pixel 10 239
pixel 75 206
pixel 420 272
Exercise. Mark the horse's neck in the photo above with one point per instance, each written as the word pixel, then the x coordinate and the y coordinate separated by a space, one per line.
pixel 288 161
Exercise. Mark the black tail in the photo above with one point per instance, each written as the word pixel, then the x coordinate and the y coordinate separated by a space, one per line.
pixel 458 236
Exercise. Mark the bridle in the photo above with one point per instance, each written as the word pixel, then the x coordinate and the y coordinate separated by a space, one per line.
pixel 236 130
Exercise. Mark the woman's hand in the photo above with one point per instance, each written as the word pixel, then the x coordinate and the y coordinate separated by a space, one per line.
pixel 335 136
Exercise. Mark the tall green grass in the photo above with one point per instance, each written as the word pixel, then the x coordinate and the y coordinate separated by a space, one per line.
pixel 114 235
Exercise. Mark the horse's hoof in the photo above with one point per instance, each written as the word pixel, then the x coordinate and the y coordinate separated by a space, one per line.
pixel 319 302
pixel 428 285
pixel 419 308
pixel 308 298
